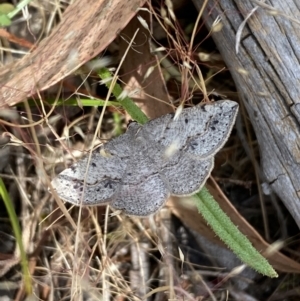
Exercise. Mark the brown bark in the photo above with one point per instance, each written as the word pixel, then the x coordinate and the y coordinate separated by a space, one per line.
pixel 86 28
pixel 269 55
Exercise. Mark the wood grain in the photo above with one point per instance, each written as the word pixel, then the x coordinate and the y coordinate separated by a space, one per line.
pixel 269 85
pixel 86 28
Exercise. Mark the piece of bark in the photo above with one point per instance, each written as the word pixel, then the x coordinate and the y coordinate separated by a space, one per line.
pixel 267 75
pixel 151 94
pixel 86 28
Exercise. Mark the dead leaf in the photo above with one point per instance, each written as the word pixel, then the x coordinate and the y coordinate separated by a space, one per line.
pixel 151 92
pixel 86 28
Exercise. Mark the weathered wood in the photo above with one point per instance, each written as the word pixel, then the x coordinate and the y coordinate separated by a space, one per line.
pixel 269 55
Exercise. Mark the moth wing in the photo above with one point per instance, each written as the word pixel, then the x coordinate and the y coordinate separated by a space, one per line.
pixel 93 187
pixel 186 175
pixel 201 130
pixel 122 145
pixel 143 198
pixel 142 191
pixel 211 139
pixel 99 184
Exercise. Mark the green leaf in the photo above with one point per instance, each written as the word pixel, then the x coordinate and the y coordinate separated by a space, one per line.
pixel 17 231
pixel 131 108
pixel 4 21
pixel 6 8
pixel 230 234
pixel 84 102
pixel 18 8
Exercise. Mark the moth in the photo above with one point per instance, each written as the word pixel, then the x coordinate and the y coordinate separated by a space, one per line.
pixel 137 171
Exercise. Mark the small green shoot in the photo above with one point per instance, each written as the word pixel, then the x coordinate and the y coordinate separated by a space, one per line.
pixel 17 231
pixel 5 8
pixel 131 108
pixel 8 11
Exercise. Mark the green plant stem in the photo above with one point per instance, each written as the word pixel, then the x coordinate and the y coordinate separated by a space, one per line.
pixel 17 231
pixel 230 234
pixel 131 108
pixel 85 102
pixel 208 207
pixel 18 8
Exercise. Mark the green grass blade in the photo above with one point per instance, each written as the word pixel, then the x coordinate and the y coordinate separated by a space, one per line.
pixel 84 102
pixel 230 234
pixel 18 8
pixel 17 231
pixel 131 108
